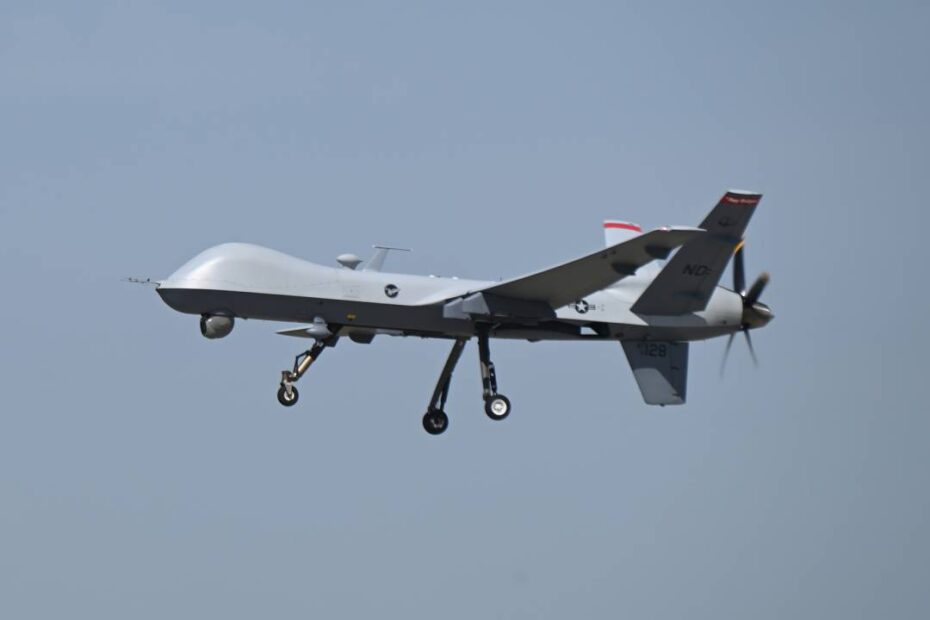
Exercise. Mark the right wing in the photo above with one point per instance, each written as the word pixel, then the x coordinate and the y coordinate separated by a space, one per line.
pixel 688 280
pixel 571 281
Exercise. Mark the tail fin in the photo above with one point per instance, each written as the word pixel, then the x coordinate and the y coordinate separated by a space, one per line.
pixel 687 282
pixel 616 232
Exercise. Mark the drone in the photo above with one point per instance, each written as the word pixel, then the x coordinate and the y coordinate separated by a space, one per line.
pixel 653 292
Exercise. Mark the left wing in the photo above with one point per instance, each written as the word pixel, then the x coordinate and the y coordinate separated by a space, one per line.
pixel 571 281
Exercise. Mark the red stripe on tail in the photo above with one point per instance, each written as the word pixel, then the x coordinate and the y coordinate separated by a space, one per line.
pixel 623 225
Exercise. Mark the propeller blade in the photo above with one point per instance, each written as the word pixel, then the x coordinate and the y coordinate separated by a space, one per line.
pixel 726 353
pixel 752 351
pixel 756 291
pixel 739 270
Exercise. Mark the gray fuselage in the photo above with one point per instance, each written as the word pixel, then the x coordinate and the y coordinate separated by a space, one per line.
pixel 249 281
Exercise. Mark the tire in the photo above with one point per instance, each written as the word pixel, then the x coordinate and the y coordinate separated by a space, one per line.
pixel 497 407
pixel 282 396
pixel 435 422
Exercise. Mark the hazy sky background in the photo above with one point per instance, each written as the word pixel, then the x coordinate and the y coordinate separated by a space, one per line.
pixel 146 472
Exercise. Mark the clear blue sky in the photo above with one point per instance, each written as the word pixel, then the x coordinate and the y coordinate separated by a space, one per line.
pixel 148 473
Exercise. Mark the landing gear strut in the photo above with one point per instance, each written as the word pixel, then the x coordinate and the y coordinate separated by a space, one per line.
pixel 497 406
pixel 287 392
pixel 435 421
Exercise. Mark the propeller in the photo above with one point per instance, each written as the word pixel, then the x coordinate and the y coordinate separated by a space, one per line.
pixel 755 313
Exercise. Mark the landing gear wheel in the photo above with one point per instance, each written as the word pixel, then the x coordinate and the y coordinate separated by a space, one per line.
pixel 286 400
pixel 435 421
pixel 497 407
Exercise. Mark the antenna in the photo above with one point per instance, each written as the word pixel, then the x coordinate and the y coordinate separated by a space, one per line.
pixel 132 280
pixel 377 261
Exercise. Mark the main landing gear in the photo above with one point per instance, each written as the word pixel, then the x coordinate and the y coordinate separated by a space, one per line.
pixel 287 392
pixel 435 420
pixel 497 406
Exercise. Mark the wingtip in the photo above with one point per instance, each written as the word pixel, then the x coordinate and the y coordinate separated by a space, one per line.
pixel 739 197
pixel 689 229
pixel 623 225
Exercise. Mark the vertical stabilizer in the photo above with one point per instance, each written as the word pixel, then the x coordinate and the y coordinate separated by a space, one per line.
pixel 689 279
pixel 616 232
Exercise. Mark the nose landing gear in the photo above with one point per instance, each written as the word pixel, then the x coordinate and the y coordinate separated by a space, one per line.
pixel 287 392
pixel 288 395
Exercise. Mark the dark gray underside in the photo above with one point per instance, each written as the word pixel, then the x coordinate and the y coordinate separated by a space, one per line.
pixel 426 321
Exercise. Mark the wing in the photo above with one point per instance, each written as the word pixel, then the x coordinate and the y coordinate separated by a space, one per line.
pixel 688 280
pixel 569 282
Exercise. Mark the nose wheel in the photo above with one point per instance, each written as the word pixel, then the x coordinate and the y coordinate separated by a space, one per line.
pixel 288 395
pixel 287 391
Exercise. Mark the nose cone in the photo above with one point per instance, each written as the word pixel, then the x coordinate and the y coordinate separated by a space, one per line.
pixel 757 315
